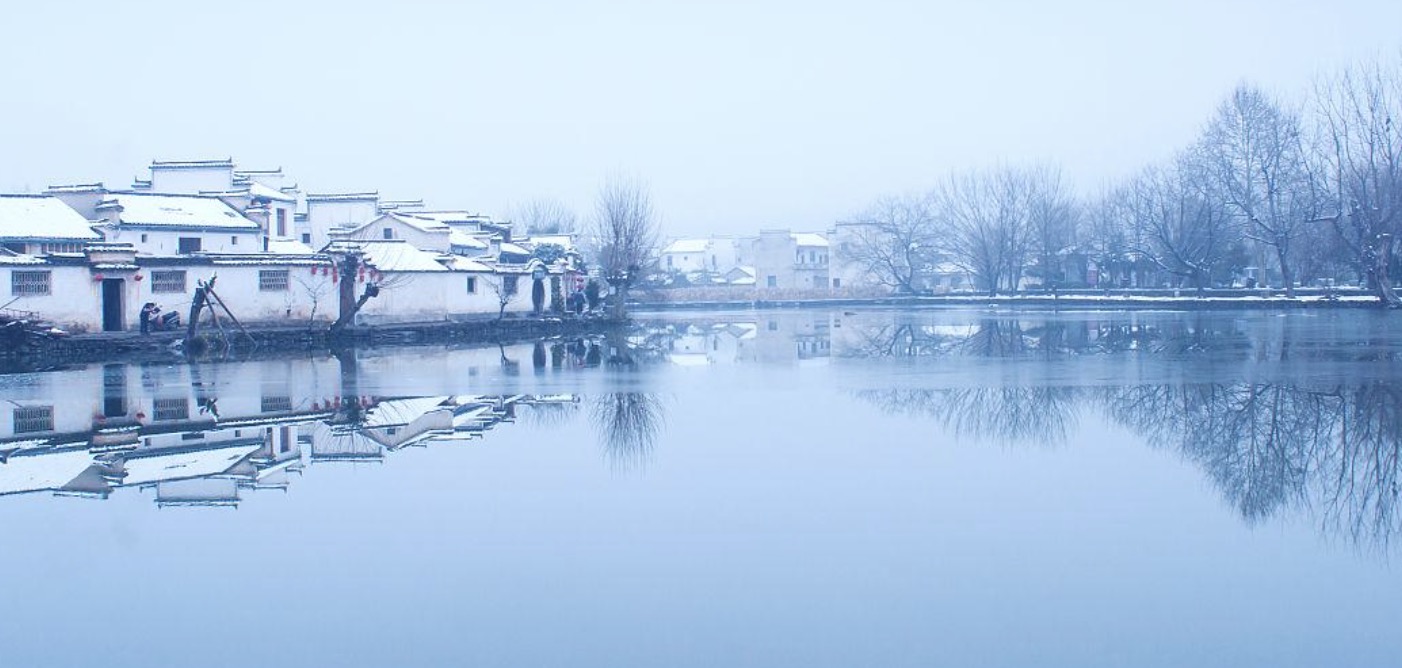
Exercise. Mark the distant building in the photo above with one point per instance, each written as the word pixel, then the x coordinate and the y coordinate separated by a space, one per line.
pixel 790 260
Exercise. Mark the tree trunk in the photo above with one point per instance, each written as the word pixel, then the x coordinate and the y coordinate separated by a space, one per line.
pixel 1380 272
pixel 1287 273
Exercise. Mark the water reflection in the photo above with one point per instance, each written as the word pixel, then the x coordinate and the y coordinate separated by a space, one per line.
pixel 207 434
pixel 1323 443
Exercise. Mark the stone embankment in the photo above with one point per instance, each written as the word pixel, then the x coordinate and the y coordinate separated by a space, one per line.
pixel 276 341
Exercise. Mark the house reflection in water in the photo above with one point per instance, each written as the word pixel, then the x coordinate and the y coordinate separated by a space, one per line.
pixel 204 435
pixel 776 337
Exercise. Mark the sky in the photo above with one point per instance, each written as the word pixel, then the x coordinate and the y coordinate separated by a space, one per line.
pixel 739 116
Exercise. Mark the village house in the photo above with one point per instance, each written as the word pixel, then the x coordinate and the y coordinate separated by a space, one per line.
pixel 176 224
pixel 40 225
pixel 790 260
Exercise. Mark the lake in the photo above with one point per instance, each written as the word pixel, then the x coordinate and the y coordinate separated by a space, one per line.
pixel 805 488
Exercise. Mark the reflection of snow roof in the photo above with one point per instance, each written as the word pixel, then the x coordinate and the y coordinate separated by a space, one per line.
pixel 177 211
pixel 44 470
pixel 809 239
pixel 393 412
pixel 687 246
pixel 38 217
pixel 397 255
pixel 142 467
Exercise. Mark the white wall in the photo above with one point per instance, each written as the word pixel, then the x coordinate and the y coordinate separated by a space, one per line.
pixel 162 242
pixel 430 241
pixel 442 295
pixel 323 216
pixel 192 181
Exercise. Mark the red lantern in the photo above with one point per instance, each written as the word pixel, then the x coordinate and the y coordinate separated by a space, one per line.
pixel 97 278
pixel 138 278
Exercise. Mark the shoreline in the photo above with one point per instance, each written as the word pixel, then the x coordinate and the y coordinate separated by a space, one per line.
pixel 273 341
pixel 1140 300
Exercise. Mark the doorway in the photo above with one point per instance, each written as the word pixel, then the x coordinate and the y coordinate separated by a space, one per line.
pixel 112 289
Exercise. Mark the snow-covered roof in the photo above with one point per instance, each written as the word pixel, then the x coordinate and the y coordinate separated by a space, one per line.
pixel 396 255
pixel 191 164
pixel 514 249
pixel 687 246
pixel 41 217
pixel 257 189
pixel 451 217
pixel 344 197
pixel 180 211
pixel 809 239
pixel 460 263
pixel 289 247
pixel 564 240
pixel 460 238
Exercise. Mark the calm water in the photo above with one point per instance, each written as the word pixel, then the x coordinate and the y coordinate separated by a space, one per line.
pixel 755 489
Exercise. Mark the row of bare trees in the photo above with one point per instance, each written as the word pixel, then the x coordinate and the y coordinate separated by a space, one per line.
pixel 1308 189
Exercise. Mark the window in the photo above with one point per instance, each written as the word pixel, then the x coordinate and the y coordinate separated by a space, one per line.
pixel 233 241
pixel 471 285
pixel 171 408
pixel 143 237
pixel 282 222
pixel 168 281
pixel 389 232
pixel 508 284
pixel 189 245
pixel 669 261
pixel 772 281
pixel 33 418
pixel 30 283
pixel 272 280
pixel 276 404
pixel 306 237
pixel 836 283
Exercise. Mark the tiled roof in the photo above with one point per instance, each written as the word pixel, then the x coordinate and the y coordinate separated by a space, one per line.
pixel 180 211
pixel 41 217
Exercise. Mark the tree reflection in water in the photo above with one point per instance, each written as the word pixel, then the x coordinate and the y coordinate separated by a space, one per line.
pixel 627 424
pixel 1333 449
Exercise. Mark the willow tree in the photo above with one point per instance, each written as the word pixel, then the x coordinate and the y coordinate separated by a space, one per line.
pixel 624 232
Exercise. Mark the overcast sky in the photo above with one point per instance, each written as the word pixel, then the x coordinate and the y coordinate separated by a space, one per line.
pixel 740 116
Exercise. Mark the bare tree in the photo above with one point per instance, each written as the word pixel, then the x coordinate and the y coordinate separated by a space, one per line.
pixel 985 218
pixel 1184 232
pixel 1363 147
pixel 893 240
pixel 351 267
pixel 1052 217
pixel 624 232
pixel 504 291
pixel 545 215
pixel 1255 157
